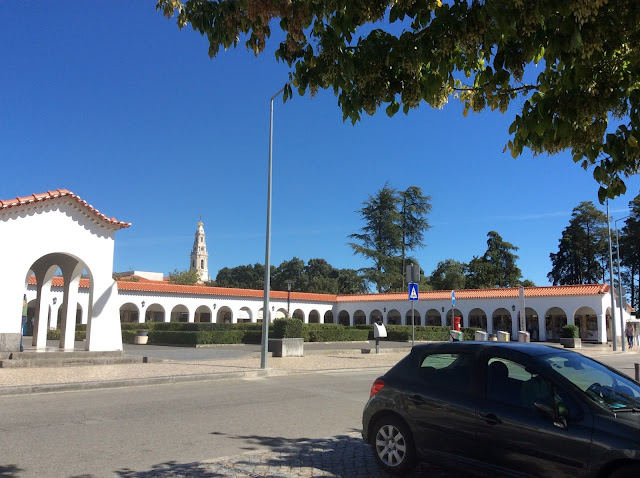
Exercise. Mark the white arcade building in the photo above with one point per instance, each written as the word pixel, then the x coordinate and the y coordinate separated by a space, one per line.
pixel 81 246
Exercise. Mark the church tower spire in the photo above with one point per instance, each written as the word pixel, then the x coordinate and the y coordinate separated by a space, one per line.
pixel 199 256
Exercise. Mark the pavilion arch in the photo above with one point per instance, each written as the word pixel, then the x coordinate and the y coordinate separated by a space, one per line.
pixel 554 319
pixel 417 320
pixel 328 317
pixel 154 313
pixel 502 321
pixel 298 314
pixel 281 313
pixel 203 314
pixel 587 320
pixel 375 316
pixel 245 315
pixel 224 315
pixel 180 313
pixel 478 319
pixel 531 323
pixel 359 317
pixel 344 318
pixel 314 317
pixel 456 313
pixel 433 317
pixel 78 314
pixel 47 270
pixel 394 317
pixel 129 313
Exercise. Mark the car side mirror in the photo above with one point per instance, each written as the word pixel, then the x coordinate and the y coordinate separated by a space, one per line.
pixel 548 409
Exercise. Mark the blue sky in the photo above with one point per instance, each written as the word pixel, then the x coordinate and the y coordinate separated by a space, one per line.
pixel 113 102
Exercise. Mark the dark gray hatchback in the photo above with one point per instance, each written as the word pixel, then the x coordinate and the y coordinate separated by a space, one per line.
pixel 510 409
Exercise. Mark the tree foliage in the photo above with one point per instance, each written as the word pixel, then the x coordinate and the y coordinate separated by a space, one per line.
pixel 583 248
pixel 395 222
pixel 449 274
pixel 497 267
pixel 317 276
pixel 189 277
pixel 630 252
pixel 572 65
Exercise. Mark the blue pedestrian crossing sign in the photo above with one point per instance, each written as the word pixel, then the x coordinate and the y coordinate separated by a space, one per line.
pixel 413 291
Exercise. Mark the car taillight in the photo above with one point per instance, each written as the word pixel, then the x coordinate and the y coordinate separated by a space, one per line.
pixel 376 387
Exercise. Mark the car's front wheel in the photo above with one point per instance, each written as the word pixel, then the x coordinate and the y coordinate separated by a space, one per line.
pixel 393 445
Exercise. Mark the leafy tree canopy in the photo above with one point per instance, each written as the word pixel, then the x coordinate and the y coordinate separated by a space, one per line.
pixel 575 64
pixel 497 267
pixel 189 277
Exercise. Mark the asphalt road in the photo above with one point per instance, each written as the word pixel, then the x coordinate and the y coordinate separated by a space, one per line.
pixel 117 432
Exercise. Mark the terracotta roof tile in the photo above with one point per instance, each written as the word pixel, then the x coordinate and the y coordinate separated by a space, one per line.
pixel 165 287
pixel 56 194
pixel 495 293
pixel 58 281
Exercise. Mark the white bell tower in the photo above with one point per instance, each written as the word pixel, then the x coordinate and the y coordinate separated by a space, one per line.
pixel 199 256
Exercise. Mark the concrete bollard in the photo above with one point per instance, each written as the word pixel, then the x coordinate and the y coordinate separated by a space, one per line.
pixel 523 336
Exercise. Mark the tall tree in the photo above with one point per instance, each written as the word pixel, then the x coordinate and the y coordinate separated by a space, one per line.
pixel 380 238
pixel 414 207
pixel 242 277
pixel 630 252
pixel 189 277
pixel 497 267
pixel 448 275
pixel 582 251
pixel 571 65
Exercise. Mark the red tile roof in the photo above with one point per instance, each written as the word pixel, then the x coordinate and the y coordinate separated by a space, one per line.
pixel 168 288
pixel 58 281
pixel 495 293
pixel 61 193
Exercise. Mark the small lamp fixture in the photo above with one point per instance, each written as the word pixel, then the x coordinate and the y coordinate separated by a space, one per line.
pixel 143 303
pixel 214 306
pixel 513 308
pixel 384 309
pixel 273 307
pixel 289 286
pixel 442 309
pixel 55 299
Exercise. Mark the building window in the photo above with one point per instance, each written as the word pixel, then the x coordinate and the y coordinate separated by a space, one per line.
pixel 201 263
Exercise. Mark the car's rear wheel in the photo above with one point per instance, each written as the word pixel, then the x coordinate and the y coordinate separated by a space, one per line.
pixel 393 445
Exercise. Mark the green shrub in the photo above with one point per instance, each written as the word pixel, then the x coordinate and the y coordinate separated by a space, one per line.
pixel 570 331
pixel 287 328
pixel 128 336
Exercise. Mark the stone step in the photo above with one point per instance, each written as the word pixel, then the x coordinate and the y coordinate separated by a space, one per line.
pixel 69 361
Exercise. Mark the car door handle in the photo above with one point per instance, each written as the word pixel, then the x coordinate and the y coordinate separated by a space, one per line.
pixel 417 399
pixel 491 419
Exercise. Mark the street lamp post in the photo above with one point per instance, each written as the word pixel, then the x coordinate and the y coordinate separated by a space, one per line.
pixel 624 345
pixel 267 255
pixel 613 305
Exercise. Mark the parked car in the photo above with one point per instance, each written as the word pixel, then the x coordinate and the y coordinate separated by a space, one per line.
pixel 512 409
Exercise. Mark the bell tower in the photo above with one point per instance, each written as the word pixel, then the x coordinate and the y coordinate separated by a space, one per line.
pixel 199 256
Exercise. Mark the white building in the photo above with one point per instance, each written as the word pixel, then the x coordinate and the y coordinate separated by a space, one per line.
pixel 59 230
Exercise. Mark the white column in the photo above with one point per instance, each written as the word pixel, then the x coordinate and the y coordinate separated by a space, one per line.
pixel 602 328
pixel 68 325
pixel 514 325
pixel 542 328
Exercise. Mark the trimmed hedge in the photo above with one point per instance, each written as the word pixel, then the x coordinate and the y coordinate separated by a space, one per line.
pixel 288 328
pixel 570 331
pixel 55 335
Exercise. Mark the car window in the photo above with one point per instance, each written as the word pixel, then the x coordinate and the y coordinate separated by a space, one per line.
pixel 599 383
pixel 510 383
pixel 448 371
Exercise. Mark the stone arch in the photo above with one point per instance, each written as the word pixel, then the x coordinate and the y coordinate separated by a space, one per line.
pixel 554 319
pixel 180 313
pixel 344 318
pixel 314 317
pixel 375 316
pixel 281 313
pixel 587 320
pixel 502 322
pixel 129 313
pixel 478 318
pixel 457 313
pixel 531 323
pixel 328 317
pixel 78 314
pixel 394 317
pixel 245 315
pixel 203 314
pixel 417 320
pixel 224 315
pixel 154 313
pixel 433 318
pixel 359 317
pixel 298 314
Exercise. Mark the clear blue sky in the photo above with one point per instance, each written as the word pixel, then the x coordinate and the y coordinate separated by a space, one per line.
pixel 111 101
